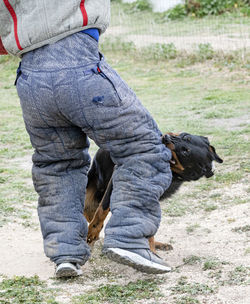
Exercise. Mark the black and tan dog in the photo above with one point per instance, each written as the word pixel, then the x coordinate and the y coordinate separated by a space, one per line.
pixel 192 158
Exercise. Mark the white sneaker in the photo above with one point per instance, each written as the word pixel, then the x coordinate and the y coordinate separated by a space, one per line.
pixel 141 259
pixel 65 270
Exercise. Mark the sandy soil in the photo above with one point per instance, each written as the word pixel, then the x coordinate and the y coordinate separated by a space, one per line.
pixel 189 43
pixel 22 254
pixel 212 237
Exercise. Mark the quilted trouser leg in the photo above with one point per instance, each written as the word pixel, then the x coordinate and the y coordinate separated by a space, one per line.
pixel 142 174
pixel 61 184
pixel 119 123
pixel 60 165
pixel 60 181
pixel 62 95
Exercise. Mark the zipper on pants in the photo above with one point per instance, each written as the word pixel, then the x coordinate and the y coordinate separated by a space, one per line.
pixel 97 70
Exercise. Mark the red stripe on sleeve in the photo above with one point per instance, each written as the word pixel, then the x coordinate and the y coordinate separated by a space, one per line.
pixel 14 17
pixel 84 13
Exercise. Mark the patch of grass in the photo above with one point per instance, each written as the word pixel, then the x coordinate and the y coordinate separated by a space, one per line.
pixel 22 290
pixel 159 52
pixel 175 208
pixel 192 228
pixel 205 51
pixel 239 276
pixel 133 291
pixel 211 264
pixel 102 272
pixel 241 229
pixel 229 177
pixel 116 44
pixel 217 274
pixel 194 288
pixel 217 114
pixel 177 12
pixel 192 260
pixel 15 193
pixel 138 6
pixel 247 251
pixel 187 300
pixel 215 195
pixel 209 208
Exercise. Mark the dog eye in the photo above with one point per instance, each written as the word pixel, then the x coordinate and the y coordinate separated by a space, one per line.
pixel 185 151
pixel 187 138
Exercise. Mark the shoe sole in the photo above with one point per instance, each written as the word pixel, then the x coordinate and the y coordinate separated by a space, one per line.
pixel 135 260
pixel 67 271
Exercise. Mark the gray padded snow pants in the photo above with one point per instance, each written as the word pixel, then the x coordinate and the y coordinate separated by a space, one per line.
pixel 69 93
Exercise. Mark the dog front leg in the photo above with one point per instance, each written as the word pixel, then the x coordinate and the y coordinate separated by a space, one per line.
pixel 101 213
pixel 96 224
pixel 163 246
pixel 153 245
pixel 151 242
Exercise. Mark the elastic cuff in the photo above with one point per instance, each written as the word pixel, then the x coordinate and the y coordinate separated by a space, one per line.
pixel 119 241
pixel 66 259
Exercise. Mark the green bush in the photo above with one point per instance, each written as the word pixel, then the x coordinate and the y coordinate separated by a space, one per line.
pixel 245 10
pixel 205 51
pixel 138 6
pixel 116 44
pixel 159 51
pixel 195 8
pixel 202 8
pixel 177 12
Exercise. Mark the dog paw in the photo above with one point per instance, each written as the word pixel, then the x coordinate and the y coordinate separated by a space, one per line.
pixel 93 233
pixel 163 246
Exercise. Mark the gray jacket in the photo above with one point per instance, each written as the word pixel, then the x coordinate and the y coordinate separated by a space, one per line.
pixel 29 24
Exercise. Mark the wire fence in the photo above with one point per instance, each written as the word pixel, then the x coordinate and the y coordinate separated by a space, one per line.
pixel 227 32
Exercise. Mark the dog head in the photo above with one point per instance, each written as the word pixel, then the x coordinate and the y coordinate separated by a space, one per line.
pixel 192 155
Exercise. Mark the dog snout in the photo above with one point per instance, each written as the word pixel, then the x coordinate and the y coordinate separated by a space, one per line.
pixel 213 166
pixel 209 174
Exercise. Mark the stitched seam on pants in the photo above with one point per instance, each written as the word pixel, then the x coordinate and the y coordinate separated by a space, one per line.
pixel 68 172
pixel 84 117
pixel 63 117
pixel 32 69
pixel 79 222
pixel 38 111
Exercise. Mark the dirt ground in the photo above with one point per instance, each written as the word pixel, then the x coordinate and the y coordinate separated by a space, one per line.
pixel 207 221
pixel 204 235
pixel 188 43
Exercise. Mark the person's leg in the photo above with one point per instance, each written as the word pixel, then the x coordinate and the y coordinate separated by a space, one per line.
pixel 107 111
pixel 60 165
pixel 61 159
pixel 119 123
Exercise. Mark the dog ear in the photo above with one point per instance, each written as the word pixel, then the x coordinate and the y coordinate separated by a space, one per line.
pixel 166 139
pixel 175 164
pixel 215 155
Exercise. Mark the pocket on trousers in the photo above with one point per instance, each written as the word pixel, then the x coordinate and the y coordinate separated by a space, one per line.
pixel 120 87
pixel 23 85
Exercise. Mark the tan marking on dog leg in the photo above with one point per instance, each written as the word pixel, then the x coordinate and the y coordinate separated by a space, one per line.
pixel 96 224
pixel 91 204
pixel 151 242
